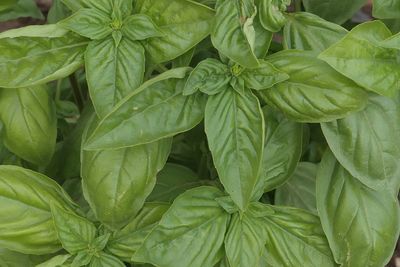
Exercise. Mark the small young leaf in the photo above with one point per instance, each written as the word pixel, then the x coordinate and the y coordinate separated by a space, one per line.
pixel 105 259
pixel 263 77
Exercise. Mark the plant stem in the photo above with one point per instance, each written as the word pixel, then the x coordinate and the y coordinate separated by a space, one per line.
pixel 76 91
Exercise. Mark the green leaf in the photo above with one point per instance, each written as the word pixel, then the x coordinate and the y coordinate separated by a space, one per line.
pixel 125 242
pixel 236 150
pixel 155 111
pixel 89 22
pixel 386 9
pixel 228 35
pixel 30 124
pixel 22 8
pixel 282 149
pixel 337 11
pixel 184 24
pixel 75 233
pixel 315 92
pixel 57 12
pixel 362 57
pixel 10 258
pixel 295 238
pixel 55 261
pixel 210 77
pixel 245 240
pixel 299 190
pixel 191 232
pixel 58 58
pixel 117 182
pixel 7 4
pixel 140 27
pixel 119 72
pixel 81 259
pixel 26 224
pixel 263 77
pixel 272 15
pixel 362 225
pixel 172 181
pixel 48 31
pixel 106 260
pixel 366 143
pixel 305 31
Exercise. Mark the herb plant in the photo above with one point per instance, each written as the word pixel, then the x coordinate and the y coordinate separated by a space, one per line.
pixel 218 133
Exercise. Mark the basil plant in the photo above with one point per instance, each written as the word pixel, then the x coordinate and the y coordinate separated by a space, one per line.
pixel 208 133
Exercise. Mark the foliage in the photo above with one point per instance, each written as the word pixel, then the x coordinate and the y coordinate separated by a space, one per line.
pixel 181 133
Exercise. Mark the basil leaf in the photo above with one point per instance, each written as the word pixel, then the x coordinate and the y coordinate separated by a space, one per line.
pixel 184 24
pixel 337 11
pixel 117 182
pixel 362 57
pixel 245 240
pixel 385 9
pixel 56 261
pixel 305 31
pixel 190 233
pixel 299 190
pixel 210 77
pixel 295 238
pixel 26 223
pixel 272 15
pixel 140 27
pixel 22 8
pixel 75 233
pixel 119 72
pixel 7 4
pixel 155 111
pixel 30 124
pixel 282 149
pixel 172 181
pixel 105 259
pixel 126 241
pixel 315 92
pixel 58 57
pixel 263 77
pixel 362 225
pixel 237 151
pixel 88 22
pixel 229 37
pixel 48 31
pixel 365 143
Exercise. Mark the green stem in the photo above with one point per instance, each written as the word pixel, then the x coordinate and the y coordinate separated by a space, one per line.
pixel 76 91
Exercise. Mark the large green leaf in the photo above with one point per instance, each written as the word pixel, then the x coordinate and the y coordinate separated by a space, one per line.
pixel 125 242
pixel 386 9
pixel 30 124
pixel 154 111
pixel 75 233
pixel 10 258
pixel 117 182
pixel 89 22
pixel 282 149
pixel 337 11
pixel 119 72
pixel 366 143
pixel 172 181
pixel 140 27
pixel 26 223
pixel 236 149
pixel 299 190
pixel 48 31
pixel 28 61
pixel 183 22
pixel 362 225
pixel 295 237
pixel 245 240
pixel 315 92
pixel 362 57
pixel 305 31
pixel 229 35
pixel 191 233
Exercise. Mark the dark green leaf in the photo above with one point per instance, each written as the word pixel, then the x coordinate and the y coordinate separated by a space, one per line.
pixel 386 9
pixel 21 8
pixel 237 150
pixel 315 92
pixel 191 233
